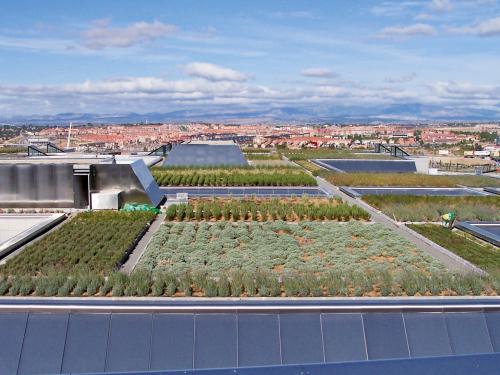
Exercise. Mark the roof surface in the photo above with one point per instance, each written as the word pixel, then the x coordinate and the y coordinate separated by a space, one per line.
pixel 143 336
pixel 368 165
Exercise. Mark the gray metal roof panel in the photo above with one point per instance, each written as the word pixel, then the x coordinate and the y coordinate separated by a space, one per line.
pixel 427 334
pixel 129 342
pixel 205 155
pixel 43 344
pixel 172 341
pixel 86 343
pixel 215 340
pixel 343 336
pixel 301 339
pixel 468 333
pixel 385 336
pixel 258 340
pixel 368 165
pixel 12 327
pixel 238 338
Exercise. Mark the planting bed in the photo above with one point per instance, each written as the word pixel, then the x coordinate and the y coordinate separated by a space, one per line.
pixel 407 180
pixel 257 191
pixel 92 242
pixel 484 256
pixel 233 176
pixel 430 208
pixel 281 248
pixel 261 156
pixel 288 209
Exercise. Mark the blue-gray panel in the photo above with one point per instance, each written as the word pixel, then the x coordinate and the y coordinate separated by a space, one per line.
pixel 493 229
pixel 215 341
pixel 385 336
pixel 493 323
pixel 379 166
pixel 218 191
pixel 250 191
pixel 468 333
pixel 236 191
pixel 427 334
pixel 301 340
pixel 43 345
pixel 86 343
pixel 129 342
pixel 484 364
pixel 258 340
pixel 344 337
pixel 173 342
pixel 12 326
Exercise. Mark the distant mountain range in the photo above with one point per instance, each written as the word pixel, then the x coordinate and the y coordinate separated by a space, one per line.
pixel 402 113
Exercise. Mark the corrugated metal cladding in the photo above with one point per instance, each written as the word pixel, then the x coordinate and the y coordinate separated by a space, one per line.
pixel 378 166
pixel 54 343
pixel 205 155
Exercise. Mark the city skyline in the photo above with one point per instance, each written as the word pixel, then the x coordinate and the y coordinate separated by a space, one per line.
pixel 405 60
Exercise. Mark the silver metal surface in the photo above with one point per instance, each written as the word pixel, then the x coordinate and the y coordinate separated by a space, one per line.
pixel 109 200
pixel 133 180
pixel 36 185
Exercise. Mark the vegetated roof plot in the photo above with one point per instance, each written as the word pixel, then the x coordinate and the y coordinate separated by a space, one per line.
pixel 288 209
pixel 205 155
pixel 482 255
pixel 359 191
pixel 360 179
pixel 91 242
pixel 281 248
pixel 245 192
pixel 233 176
pixel 430 208
pixel 376 166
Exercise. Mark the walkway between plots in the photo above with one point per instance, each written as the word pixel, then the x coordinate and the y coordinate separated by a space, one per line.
pixel 450 260
pixel 136 254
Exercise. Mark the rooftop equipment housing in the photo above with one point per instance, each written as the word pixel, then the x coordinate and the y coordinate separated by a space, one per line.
pixel 68 181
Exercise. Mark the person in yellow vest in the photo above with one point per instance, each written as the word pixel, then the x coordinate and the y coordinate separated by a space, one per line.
pixel 447 220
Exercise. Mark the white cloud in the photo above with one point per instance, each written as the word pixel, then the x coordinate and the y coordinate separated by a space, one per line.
pixel 410 30
pixel 101 35
pixel 486 28
pixel 318 73
pixel 402 79
pixel 148 94
pixel 441 5
pixel 213 72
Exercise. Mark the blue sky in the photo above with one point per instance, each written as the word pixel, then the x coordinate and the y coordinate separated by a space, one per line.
pixel 142 56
